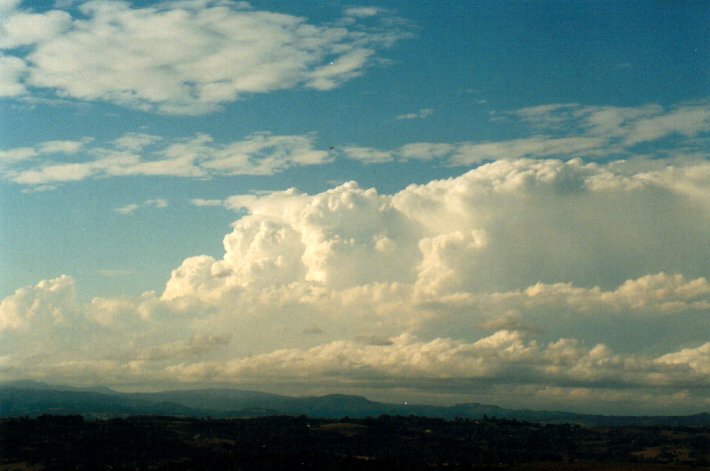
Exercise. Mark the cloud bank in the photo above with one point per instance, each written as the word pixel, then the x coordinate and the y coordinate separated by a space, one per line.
pixel 520 282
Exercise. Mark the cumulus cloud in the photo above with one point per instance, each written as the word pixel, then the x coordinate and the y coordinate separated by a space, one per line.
pixel 184 58
pixel 49 303
pixel 65 147
pixel 553 278
pixel 11 71
pixel 505 356
pixel 696 359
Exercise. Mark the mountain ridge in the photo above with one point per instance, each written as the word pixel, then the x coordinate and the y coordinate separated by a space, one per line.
pixel 31 398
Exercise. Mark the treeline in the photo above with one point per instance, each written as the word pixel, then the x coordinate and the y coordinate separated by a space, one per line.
pixel 385 442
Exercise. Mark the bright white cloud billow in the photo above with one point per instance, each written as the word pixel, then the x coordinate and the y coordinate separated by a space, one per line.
pixel 182 58
pixel 516 273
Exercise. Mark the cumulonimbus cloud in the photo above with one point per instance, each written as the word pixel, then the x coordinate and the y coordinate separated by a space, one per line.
pixel 518 272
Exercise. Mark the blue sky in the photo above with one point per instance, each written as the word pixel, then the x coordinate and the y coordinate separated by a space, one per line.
pixel 193 191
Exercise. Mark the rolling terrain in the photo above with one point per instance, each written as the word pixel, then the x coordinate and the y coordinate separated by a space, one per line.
pixel 33 399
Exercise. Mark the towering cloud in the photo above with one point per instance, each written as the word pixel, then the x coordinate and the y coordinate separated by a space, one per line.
pixel 530 273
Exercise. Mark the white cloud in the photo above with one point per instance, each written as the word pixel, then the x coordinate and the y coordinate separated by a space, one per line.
pixel 569 131
pixel 135 141
pixel 184 58
pixel 630 125
pixel 553 278
pixel 24 29
pixel 265 154
pixel 11 71
pixel 696 359
pixel 12 157
pixel 524 221
pixel 367 155
pixel 200 202
pixel 421 114
pixel 593 133
pixel 50 302
pixel 688 121
pixel 534 147
pixel 425 151
pixel 504 356
pixel 142 154
pixel 152 203
pixel 344 68
pixel 362 12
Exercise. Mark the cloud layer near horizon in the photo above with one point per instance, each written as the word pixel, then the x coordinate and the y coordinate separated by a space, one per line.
pixel 533 274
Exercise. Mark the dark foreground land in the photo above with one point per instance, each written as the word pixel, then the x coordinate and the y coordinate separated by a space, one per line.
pixel 71 442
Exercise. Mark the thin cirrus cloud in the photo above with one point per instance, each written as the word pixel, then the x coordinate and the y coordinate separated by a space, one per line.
pixel 443 276
pixel 180 58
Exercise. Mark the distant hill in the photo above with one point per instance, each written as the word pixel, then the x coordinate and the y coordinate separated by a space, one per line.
pixel 27 398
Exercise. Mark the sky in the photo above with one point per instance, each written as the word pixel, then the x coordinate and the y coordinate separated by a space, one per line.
pixel 433 202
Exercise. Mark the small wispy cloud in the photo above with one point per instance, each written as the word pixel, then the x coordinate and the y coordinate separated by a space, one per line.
pixel 153 203
pixel 201 203
pixel 421 114
pixel 368 155
pixel 362 12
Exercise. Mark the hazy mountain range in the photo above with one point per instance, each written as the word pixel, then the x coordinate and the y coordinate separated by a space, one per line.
pixel 29 398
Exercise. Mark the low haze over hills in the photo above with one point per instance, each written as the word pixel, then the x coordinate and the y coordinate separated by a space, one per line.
pixel 34 399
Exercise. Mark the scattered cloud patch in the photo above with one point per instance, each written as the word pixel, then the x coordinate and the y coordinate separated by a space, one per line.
pixel 363 12
pixel 564 131
pixel 367 155
pixel 572 131
pixel 133 154
pixel 180 58
pixel 153 203
pixel 201 203
pixel 421 114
